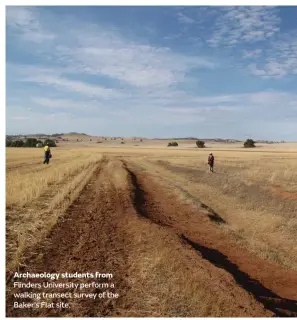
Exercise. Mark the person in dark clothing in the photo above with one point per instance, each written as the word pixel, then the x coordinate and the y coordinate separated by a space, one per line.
pixel 211 162
pixel 47 154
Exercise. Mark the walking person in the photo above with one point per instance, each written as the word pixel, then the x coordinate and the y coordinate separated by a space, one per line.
pixel 47 154
pixel 211 162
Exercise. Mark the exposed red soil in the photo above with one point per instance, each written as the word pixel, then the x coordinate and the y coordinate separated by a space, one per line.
pixel 91 237
pixel 269 283
pixel 283 194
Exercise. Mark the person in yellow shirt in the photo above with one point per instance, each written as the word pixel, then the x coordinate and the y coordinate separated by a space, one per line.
pixel 47 154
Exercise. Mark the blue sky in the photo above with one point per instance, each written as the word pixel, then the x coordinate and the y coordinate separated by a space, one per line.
pixel 228 72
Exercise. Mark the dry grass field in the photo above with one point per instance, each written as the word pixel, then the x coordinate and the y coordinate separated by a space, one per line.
pixel 36 194
pixel 180 240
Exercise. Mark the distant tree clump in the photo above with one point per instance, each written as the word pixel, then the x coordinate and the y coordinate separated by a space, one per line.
pixel 17 144
pixel 249 143
pixel 51 143
pixel 30 143
pixel 56 135
pixel 172 144
pixel 8 143
pixel 200 144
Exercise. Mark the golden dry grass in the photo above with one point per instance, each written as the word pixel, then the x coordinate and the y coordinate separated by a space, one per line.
pixel 37 194
pixel 167 278
pixel 255 191
pixel 170 278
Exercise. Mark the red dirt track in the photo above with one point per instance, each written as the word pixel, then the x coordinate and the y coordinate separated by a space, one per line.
pixel 99 233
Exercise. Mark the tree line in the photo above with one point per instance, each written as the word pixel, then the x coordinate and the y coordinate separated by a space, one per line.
pixel 29 143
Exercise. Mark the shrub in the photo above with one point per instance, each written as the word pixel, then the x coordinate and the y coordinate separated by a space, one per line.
pixel 122 142
pixel 249 143
pixel 172 144
pixel 200 144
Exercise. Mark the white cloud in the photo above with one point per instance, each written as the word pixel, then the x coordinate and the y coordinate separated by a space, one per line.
pixel 181 109
pixel 26 22
pixel 234 102
pixel 66 103
pixel 97 51
pixel 281 57
pixel 250 54
pixel 21 72
pixel 236 25
pixel 183 18
pixel 267 98
pixel 253 33
pixel 199 110
pixel 21 17
pixel 89 49
pixel 80 87
pixel 254 70
pixel 123 82
pixel 135 64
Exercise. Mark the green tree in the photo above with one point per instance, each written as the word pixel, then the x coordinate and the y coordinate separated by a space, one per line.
pixel 17 144
pixel 50 142
pixel 200 144
pixel 249 143
pixel 30 143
